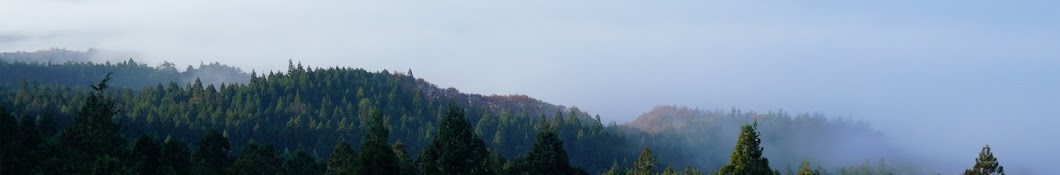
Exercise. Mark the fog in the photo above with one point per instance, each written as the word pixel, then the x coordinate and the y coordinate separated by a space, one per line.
pixel 942 78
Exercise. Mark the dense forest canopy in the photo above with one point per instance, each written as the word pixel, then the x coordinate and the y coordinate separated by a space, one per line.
pixel 338 120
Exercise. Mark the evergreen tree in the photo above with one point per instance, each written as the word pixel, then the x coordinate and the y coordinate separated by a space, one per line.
pixel 256 159
pixel 986 164
pixel 301 162
pixel 211 157
pixel 747 157
pixel 13 153
pixel 376 157
pixel 806 170
pixel 456 150
pixel 645 163
pixel 548 155
pixel 669 171
pixel 93 133
pixel 145 155
pixel 46 126
pixel 404 161
pixel 29 136
pixel 341 160
pixel 175 158
pixel 109 165
pixel 692 171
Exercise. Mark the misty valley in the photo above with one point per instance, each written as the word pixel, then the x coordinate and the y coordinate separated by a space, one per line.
pixel 62 113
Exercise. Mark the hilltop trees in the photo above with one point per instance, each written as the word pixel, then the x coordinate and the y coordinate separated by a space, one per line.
pixel 378 123
pixel 313 108
pixel 747 157
pixel 986 164
pixel 456 150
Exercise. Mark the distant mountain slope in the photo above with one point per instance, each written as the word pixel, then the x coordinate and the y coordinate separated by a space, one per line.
pixel 76 68
pixel 59 56
pixel 663 118
pixel 315 108
pixel 689 136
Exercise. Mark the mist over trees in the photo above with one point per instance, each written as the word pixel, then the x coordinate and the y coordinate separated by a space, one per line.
pixel 351 121
pixel 75 69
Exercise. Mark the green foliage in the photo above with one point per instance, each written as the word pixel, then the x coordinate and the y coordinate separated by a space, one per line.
pixel 342 159
pixel 15 145
pixel 681 136
pixel 806 170
pixel 405 163
pixel 93 133
pixel 109 165
pixel 377 158
pixel 747 157
pixel 211 157
pixel 314 109
pixel 127 74
pixel 145 155
pixel 547 157
pixel 310 107
pixel 986 164
pixel 456 150
pixel 257 159
pixel 175 158
pixel 301 162
pixel 645 163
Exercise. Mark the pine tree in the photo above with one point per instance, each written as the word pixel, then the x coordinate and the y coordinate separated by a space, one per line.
pixel 692 171
pixel 376 157
pixel 109 165
pixel 256 159
pixel 747 157
pixel 806 170
pixel 645 163
pixel 13 149
pixel 548 155
pixel 456 150
pixel 145 155
pixel 211 157
pixel 29 135
pixel 93 133
pixel 174 158
pixel 341 160
pixel 986 164
pixel 301 162
pixel 404 161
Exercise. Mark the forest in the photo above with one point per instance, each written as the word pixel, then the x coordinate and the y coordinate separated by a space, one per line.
pixel 132 118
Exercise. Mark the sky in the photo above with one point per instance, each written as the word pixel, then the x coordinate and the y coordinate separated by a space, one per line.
pixel 943 77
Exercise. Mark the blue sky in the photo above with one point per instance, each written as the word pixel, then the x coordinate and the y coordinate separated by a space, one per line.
pixel 944 77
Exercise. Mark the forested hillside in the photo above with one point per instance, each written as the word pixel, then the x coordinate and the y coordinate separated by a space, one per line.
pixel 75 69
pixel 688 136
pixel 339 120
pixel 316 108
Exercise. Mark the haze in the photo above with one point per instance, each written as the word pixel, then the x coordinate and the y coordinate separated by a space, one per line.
pixel 942 77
